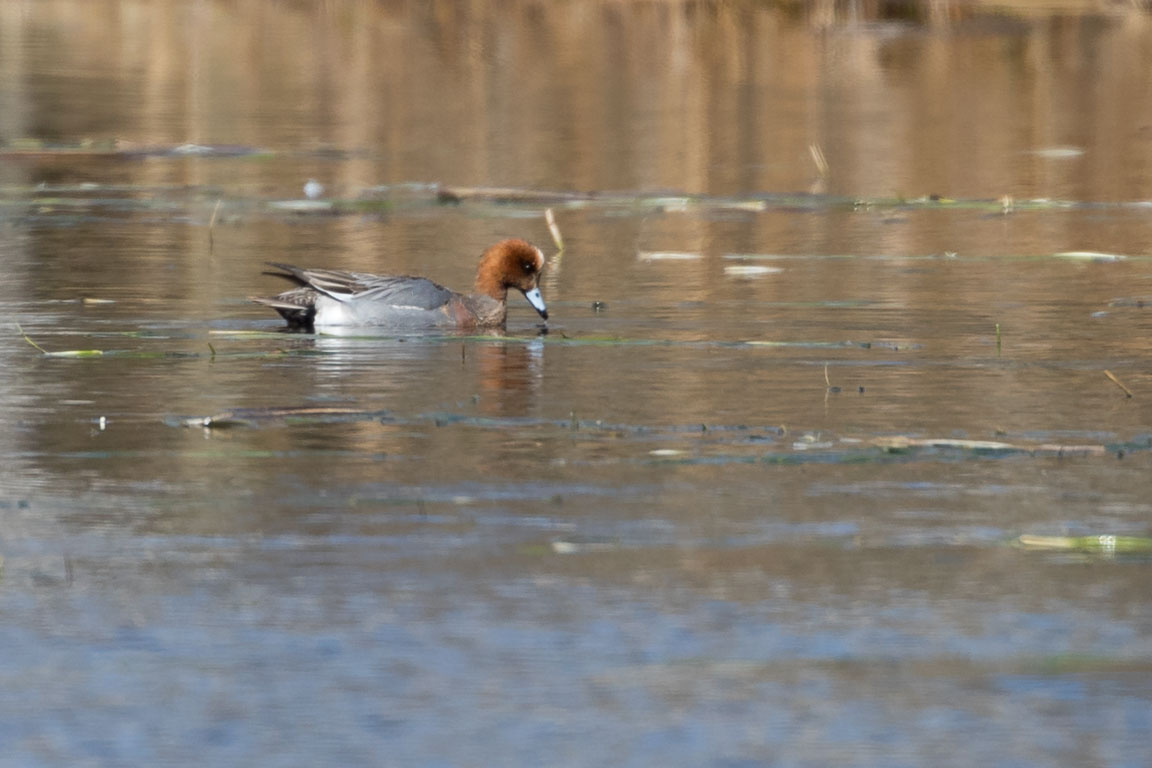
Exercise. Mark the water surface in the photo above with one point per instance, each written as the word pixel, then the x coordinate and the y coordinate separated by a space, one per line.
pixel 719 511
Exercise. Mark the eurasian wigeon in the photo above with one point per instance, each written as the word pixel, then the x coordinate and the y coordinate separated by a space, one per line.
pixel 327 297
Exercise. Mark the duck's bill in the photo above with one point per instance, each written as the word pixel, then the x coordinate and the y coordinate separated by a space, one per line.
pixel 537 302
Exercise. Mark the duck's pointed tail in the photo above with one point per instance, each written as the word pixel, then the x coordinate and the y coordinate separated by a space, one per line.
pixel 297 307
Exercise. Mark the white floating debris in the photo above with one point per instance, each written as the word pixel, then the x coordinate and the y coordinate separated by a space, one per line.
pixel 668 256
pixel 750 270
pixel 302 206
pixel 744 205
pixel 576 546
pixel 672 203
pixel 313 189
pixel 1090 256
pixel 665 452
pixel 789 256
pixel 806 446
pixel 191 149
pixel 901 443
pixel 1058 153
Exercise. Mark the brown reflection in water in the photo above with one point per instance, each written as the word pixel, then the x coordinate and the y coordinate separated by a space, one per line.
pixel 599 95
pixel 508 377
pixel 905 98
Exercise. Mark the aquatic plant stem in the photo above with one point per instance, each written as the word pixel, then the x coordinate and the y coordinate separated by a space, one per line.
pixel 29 340
pixel 1117 382
pixel 67 353
pixel 818 158
pixel 212 225
pixel 554 229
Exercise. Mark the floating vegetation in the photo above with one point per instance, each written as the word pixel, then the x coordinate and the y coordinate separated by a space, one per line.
pixel 155 354
pixel 1058 153
pixel 251 417
pixel 900 444
pixel 66 353
pixel 584 544
pixel 819 344
pixel 1103 545
pixel 787 256
pixel 303 206
pixel 750 270
pixel 554 229
pixel 1139 302
pixel 695 443
pixel 59 201
pixel 1112 377
pixel 112 147
pixel 1090 256
pixel 668 256
pixel 308 348
pixel 816 152
pixel 516 196
pixel 250 334
pixel 447 194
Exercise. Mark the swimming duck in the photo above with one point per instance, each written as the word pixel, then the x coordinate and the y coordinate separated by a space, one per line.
pixel 328 297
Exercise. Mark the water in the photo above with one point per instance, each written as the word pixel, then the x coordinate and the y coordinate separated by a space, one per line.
pixel 674 528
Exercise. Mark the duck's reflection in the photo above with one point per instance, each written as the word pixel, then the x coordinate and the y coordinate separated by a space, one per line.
pixel 509 376
pixel 500 374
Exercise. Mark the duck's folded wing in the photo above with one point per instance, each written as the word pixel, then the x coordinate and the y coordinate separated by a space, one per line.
pixel 413 292
pixel 331 282
pixel 400 291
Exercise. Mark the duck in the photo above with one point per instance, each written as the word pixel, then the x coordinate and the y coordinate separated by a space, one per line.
pixel 330 297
